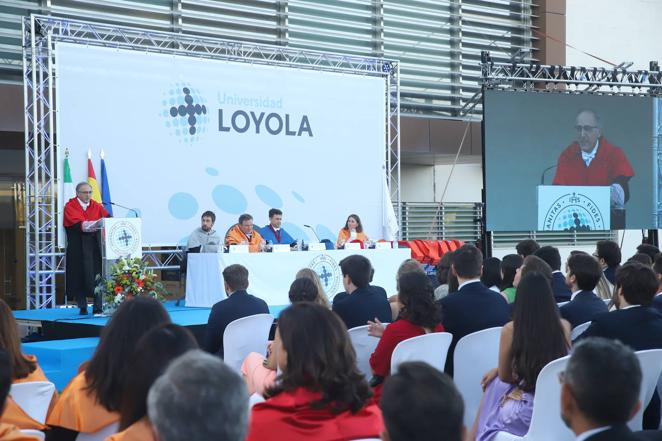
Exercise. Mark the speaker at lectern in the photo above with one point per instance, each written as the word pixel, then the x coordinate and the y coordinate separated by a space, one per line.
pixel 120 237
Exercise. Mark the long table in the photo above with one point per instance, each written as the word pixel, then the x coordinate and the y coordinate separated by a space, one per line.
pixel 270 274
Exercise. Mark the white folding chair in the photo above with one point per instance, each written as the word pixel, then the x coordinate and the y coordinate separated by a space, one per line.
pixel 99 435
pixel 579 330
pixel 245 335
pixel 431 348
pixel 651 368
pixel 546 423
pixel 34 433
pixel 364 346
pixel 475 354
pixel 34 397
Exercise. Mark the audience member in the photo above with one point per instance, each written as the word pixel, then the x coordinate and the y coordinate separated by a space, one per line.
pixel 92 399
pixel 320 394
pixel 443 274
pixel 509 266
pixel 8 432
pixel 491 275
pixel 635 323
pixel 642 258
pixel 648 249
pixel 363 302
pixel 657 267
pixel 419 314
pixel 532 339
pixel 473 307
pixel 238 304
pixel 527 247
pixel 409 265
pixel 308 273
pixel 600 391
pixel 198 398
pixel 532 264
pixel 420 403
pixel 552 256
pixel 154 352
pixel 583 274
pixel 608 254
pixel 25 369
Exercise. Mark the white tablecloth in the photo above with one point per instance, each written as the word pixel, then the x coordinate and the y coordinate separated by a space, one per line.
pixel 270 274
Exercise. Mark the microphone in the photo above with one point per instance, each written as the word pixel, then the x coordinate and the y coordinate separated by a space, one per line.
pixel 126 208
pixel 542 176
pixel 314 232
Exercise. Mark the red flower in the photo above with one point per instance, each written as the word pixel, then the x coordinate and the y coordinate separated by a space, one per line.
pixel 118 289
pixel 140 283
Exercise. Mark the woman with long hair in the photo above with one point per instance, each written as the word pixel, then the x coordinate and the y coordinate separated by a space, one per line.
pixel 320 393
pixel 491 276
pixel 92 399
pixel 24 369
pixel 509 265
pixel 419 314
pixel 154 352
pixel 353 230
pixel 535 337
pixel 308 273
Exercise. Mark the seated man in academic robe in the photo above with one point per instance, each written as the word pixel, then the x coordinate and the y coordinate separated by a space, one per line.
pixel 274 232
pixel 242 233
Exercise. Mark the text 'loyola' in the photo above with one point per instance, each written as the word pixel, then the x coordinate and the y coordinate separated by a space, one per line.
pixel 242 121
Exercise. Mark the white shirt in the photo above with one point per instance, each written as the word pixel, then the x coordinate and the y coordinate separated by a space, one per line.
pixel 628 307
pixel 658 293
pixel 588 157
pixel 592 432
pixel 83 204
pixel 468 282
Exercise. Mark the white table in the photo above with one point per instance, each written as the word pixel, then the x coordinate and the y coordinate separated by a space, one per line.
pixel 270 274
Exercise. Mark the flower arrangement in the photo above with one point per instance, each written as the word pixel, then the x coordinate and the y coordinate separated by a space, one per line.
pixel 128 278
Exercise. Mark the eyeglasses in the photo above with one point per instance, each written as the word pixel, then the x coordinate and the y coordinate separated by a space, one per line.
pixel 85 192
pixel 585 128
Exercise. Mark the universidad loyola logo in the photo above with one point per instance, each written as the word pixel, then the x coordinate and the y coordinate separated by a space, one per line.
pixel 189 109
pixel 185 112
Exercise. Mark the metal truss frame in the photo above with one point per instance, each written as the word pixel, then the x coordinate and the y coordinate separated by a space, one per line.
pixel 44 260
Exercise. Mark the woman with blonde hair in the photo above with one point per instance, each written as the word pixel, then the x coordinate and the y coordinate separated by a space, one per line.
pixel 322 298
pixel 24 369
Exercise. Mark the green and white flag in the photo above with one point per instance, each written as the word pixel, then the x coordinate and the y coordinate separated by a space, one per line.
pixel 68 187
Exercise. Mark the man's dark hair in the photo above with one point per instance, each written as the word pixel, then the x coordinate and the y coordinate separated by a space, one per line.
pixel 609 251
pixel 637 282
pixel 274 211
pixel 358 268
pixel 604 377
pixel 651 250
pixel 585 269
pixel 420 403
pixel 468 262
pixel 236 276
pixel 527 247
pixel 210 215
pixel 657 266
pixel 244 217
pixel 5 377
pixel 303 290
pixel 550 255
pixel 641 258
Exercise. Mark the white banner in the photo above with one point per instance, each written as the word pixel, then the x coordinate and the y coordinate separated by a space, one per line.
pixel 183 135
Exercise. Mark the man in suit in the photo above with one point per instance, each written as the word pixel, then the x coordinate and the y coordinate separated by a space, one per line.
pixel 473 307
pixel 552 256
pixel 657 267
pixel 583 274
pixel 238 304
pixel 608 254
pixel 600 391
pixel 635 323
pixel 362 302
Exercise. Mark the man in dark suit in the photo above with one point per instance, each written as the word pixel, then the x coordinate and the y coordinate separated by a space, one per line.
pixel 657 267
pixel 238 304
pixel 600 391
pixel 473 307
pixel 362 302
pixel 552 256
pixel 583 274
pixel 608 254
pixel 635 323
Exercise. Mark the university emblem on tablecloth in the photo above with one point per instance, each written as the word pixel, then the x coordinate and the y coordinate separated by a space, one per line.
pixel 328 271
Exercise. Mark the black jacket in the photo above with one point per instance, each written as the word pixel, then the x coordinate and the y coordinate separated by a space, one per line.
pixel 363 304
pixel 583 308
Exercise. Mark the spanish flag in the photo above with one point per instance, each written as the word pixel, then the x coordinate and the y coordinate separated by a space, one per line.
pixel 92 179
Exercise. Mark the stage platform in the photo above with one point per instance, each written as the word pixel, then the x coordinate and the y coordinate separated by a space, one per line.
pixel 70 339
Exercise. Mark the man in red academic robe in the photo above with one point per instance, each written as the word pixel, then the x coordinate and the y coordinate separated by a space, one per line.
pixel 592 160
pixel 83 248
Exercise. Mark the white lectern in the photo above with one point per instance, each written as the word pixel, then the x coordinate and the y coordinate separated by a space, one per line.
pixel 120 237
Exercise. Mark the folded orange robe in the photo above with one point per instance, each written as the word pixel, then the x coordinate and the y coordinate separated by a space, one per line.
pixel 235 236
pixel 9 432
pixel 344 235
pixel 78 409
pixel 13 414
pixel 141 430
